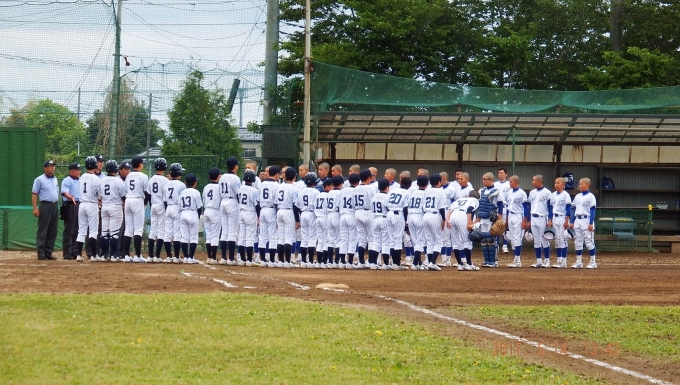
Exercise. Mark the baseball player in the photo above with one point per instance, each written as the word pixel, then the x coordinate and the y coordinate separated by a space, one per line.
pixel 252 165
pixel 190 210
pixel 539 201
pixel 362 206
pixel 583 223
pixel 322 172
pixel 300 184
pixel 135 201
pixel 391 176
pixel 560 203
pixel 397 204
pixel 348 222
pixel 211 215
pixel 406 237
pixel 503 186
pixel 490 210
pixel 517 218
pixel 306 203
pixel 88 212
pixel 171 192
pixel 287 217
pixel 449 190
pixel 421 171
pixel 333 209
pixel 381 238
pixel 434 217
pixel 321 212
pixel 113 193
pixel 157 228
pixel 248 217
pixel 353 169
pixel 416 226
pixel 374 178
pixel 461 189
pixel 268 199
pixel 460 217
pixel 229 211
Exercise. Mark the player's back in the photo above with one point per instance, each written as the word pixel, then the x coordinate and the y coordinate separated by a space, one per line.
pixel 212 196
pixel 155 188
pixel 286 194
pixel 230 184
pixel 362 197
pixel 113 190
pixel 433 200
pixel 465 204
pixel 321 203
pixel 398 199
pixel 416 202
pixel 136 183
pixel 172 191
pixel 90 186
pixel 190 200
pixel 267 193
pixel 306 200
pixel 347 200
pixel 333 204
pixel 248 197
pixel 379 204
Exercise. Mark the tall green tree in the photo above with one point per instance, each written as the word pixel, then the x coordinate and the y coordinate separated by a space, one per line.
pixel 62 129
pixel 199 123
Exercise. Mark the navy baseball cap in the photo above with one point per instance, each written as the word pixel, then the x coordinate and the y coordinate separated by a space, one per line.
pixel 326 183
pixel 354 179
pixel 290 173
pixel 338 180
pixel 190 179
pixel 136 161
pixel 214 173
pixel 124 165
pixel 48 163
pixel 273 170
pixel 422 181
pixel 99 158
pixel 74 166
pixel 231 163
pixel 383 184
pixel 365 174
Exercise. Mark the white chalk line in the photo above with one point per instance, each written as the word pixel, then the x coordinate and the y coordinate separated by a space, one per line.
pixel 220 281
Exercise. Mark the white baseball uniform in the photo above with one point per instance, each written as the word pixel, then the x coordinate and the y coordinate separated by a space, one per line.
pixel 113 190
pixel 230 184
pixel 583 208
pixel 306 202
pixel 433 201
pixel 459 221
pixel 88 212
pixel 320 210
pixel 211 215
pixel 561 208
pixel 248 200
pixel 539 200
pixel 267 199
pixel 362 206
pixel 286 195
pixel 137 183
pixel 190 201
pixel 398 200
pixel 416 226
pixel 381 239
pixel 171 193
pixel 348 227
pixel 515 199
pixel 333 209
pixel 155 189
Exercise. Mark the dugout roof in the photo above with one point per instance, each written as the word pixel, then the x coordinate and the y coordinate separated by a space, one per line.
pixel 494 128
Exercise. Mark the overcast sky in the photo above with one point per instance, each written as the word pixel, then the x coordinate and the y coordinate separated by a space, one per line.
pixel 48 49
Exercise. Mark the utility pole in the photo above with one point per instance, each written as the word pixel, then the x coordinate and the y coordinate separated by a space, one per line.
pixel 616 25
pixel 271 60
pixel 306 136
pixel 115 88
pixel 240 107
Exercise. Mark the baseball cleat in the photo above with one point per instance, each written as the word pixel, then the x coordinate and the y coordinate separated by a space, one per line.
pixel 461 268
pixel 223 261
pixel 79 258
pixel 342 266
pixel 386 267
pixel 263 264
pixel 156 260
pixel 515 264
pixel 398 267
pixel 414 268
pixel 249 264
pixel 471 268
pixel 280 264
pixel 485 264
pixel 505 249
pixel 373 266
pixel 592 265
pixel 287 265
pixel 240 263
pixel 433 267
pixel 192 261
pixel 537 264
pixel 136 259
pixel 175 260
pixel 577 265
pixel 546 264
pixel 128 259
pixel 423 267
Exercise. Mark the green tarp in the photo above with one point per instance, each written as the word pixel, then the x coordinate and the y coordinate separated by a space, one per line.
pixel 18 227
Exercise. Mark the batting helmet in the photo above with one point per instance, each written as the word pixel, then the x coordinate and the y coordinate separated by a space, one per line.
pixel 549 234
pixel 160 164
pixel 91 163
pixel 111 166
pixel 310 178
pixel 529 236
pixel 569 234
pixel 176 169
pixel 249 176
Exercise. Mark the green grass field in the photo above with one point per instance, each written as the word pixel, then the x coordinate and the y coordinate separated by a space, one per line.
pixel 233 338
pixel 597 330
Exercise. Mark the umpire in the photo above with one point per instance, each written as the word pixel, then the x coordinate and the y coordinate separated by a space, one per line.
pixel 70 189
pixel 46 190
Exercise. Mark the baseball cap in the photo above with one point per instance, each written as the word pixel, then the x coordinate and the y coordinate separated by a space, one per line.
pixel 136 161
pixel 383 184
pixel 354 179
pixel 327 182
pixel 214 173
pixel 231 163
pixel 365 174
pixel 48 163
pixel 190 179
pixel 338 180
pixel 273 170
pixel 290 173
pixel 99 158
pixel 124 165
pixel 74 166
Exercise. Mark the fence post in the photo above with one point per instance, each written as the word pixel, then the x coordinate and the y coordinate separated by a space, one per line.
pixel 649 228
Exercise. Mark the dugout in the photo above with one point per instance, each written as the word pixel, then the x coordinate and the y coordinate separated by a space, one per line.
pixel 629 136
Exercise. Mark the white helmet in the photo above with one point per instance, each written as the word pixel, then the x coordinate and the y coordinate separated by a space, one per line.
pixel 529 236
pixel 569 234
pixel 549 233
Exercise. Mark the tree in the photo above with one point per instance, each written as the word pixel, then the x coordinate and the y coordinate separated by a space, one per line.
pixel 133 123
pixel 199 123
pixel 62 129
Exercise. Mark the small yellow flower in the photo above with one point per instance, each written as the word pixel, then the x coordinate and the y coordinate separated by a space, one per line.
pixel 132 343
pixel 378 332
pixel 139 340
pixel 528 371
pixel 333 367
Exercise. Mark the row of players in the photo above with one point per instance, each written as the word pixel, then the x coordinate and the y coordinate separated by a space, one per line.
pixel 368 216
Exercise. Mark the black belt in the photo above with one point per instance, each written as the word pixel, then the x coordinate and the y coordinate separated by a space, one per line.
pixel 364 209
pixel 558 215
pixel 514 213
pixel 396 212
pixel 68 202
pixel 581 216
pixel 50 202
pixel 537 216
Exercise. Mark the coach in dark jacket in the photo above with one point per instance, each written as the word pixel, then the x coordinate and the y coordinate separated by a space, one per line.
pixel 70 190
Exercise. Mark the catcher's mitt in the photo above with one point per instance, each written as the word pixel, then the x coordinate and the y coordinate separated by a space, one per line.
pixel 498 228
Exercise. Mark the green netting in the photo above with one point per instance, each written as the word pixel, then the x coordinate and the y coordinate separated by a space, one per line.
pixel 610 222
pixel 21 159
pixel 334 86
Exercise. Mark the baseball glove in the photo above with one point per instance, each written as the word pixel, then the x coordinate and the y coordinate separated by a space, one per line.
pixel 498 228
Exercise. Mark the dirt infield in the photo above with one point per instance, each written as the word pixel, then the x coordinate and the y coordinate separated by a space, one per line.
pixel 631 279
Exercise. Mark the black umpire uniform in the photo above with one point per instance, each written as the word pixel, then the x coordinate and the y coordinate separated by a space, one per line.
pixel 70 190
pixel 45 197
